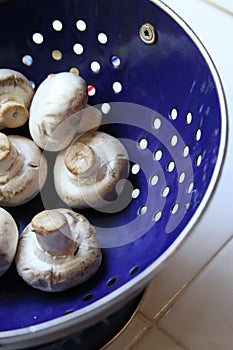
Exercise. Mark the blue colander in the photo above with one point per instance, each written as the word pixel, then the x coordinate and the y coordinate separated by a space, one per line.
pixel 160 94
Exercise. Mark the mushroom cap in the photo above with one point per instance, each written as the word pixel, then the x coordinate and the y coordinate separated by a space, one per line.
pixel 56 110
pixel 52 273
pixel 77 185
pixel 16 93
pixel 8 240
pixel 27 183
pixel 90 120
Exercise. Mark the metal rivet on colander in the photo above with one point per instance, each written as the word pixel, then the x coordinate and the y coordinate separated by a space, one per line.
pixel 148 33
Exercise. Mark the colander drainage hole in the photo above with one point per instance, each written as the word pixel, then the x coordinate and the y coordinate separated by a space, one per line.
pixel 157 123
pixel 175 208
pixel 158 215
pixel 67 312
pixel 174 140
pixel 95 66
pixel 87 297
pixel 142 210
pixel 154 180
pixel 189 118
pixel 181 177
pixel 165 192
pixel 198 135
pixel 135 169
pixel 190 187
pixel 105 108
pixel 186 151
pixel 111 281
pixel 171 166
pixel 27 60
pixel 199 160
pixel 74 70
pixel 135 193
pixel 134 270
pixel 117 87
pixel 37 38
pixel 158 155
pixel 78 49
pixel 173 114
pixel 102 38
pixel 57 25
pixel 81 25
pixel 91 90
pixel 115 61
pixel 32 84
pixel 57 55
pixel 142 144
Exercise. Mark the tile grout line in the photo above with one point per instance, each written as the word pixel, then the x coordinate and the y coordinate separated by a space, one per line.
pixel 151 323
pixel 219 7
pixel 148 324
pixel 155 321
pixel 174 298
pixel 176 341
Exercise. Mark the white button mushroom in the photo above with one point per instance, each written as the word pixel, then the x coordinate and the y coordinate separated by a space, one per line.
pixel 91 172
pixel 23 170
pixel 16 93
pixel 57 109
pixel 91 119
pixel 8 240
pixel 58 250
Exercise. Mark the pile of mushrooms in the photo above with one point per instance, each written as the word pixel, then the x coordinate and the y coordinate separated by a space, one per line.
pixel 59 248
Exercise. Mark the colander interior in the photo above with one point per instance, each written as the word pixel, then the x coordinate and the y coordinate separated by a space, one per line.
pixel 162 102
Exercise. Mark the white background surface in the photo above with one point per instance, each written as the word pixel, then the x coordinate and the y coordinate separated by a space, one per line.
pixel 189 305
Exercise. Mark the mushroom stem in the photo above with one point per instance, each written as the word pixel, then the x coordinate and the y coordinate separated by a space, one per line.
pixel 10 160
pixel 12 113
pixel 81 161
pixel 52 233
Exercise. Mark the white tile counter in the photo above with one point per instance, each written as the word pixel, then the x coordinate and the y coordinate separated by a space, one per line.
pixel 189 305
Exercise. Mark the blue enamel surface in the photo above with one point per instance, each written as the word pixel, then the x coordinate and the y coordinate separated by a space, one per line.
pixel 170 74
